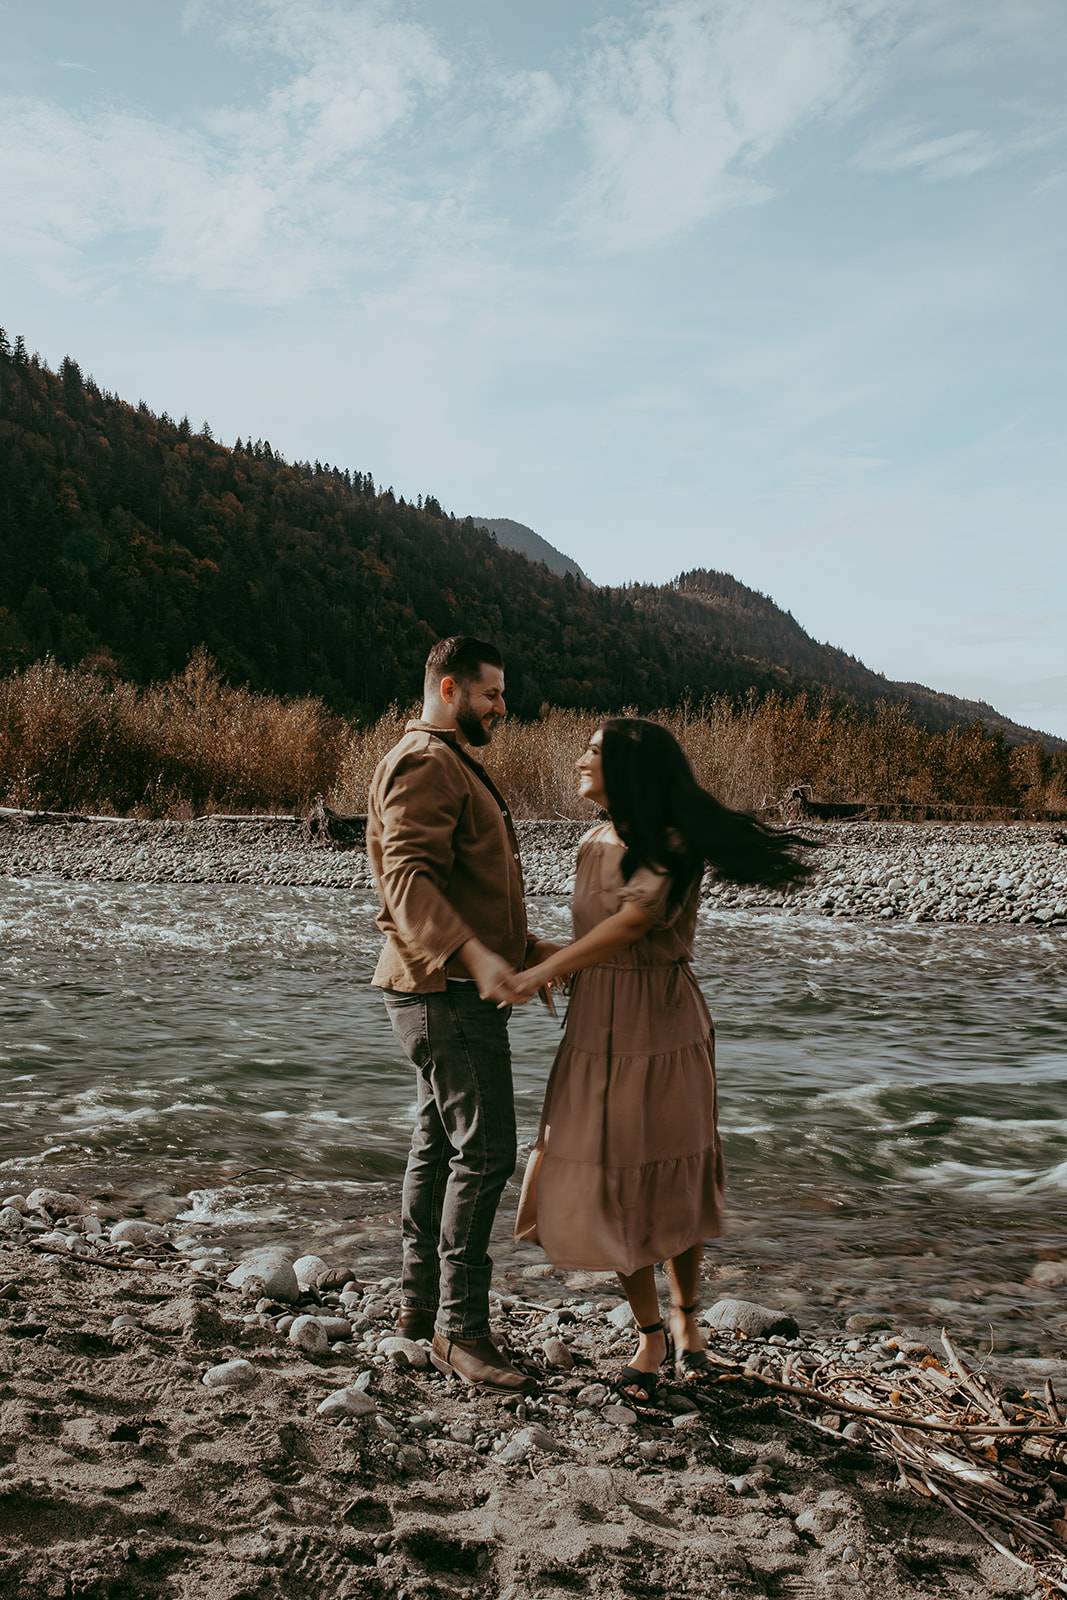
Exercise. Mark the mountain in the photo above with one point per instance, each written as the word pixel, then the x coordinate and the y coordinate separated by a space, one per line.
pixel 129 542
pixel 517 536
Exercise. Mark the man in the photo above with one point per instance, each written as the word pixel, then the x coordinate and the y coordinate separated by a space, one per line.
pixel 442 847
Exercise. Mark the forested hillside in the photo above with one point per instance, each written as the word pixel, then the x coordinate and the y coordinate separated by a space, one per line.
pixel 129 541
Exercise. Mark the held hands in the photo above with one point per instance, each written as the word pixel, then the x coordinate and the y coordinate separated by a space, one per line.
pixel 522 986
pixel 490 972
pixel 496 980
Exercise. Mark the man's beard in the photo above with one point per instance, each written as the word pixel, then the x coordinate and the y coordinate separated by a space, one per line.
pixel 469 725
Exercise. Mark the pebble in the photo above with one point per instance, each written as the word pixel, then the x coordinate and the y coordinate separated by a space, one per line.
pixel 270 1274
pixel 557 1354
pixel 118 1323
pixel 621 1316
pixel 230 1375
pixel 351 1402
pixel 594 1394
pixel 1047 1274
pixel 755 1321
pixel 10 1219
pixel 335 1327
pixel 129 1231
pixel 308 1270
pixel 17 1202
pixel 621 1416
pixel 413 1354
pixel 54 1201
pixel 866 1321
pixel 310 1335
pixel 528 1439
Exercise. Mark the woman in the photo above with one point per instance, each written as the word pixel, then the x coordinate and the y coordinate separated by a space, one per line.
pixel 628 1169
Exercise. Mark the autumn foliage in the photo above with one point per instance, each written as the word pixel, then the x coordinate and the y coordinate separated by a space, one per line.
pixel 81 739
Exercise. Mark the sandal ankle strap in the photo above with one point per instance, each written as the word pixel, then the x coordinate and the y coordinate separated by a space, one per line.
pixel 687 1311
pixel 653 1327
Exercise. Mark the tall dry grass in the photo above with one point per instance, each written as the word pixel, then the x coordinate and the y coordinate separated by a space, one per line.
pixel 76 739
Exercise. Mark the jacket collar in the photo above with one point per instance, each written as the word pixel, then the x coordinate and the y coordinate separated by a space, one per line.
pixel 416 725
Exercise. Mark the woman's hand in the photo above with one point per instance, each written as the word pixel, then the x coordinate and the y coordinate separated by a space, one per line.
pixel 522 986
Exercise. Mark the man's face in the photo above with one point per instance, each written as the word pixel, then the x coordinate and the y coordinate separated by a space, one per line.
pixel 479 705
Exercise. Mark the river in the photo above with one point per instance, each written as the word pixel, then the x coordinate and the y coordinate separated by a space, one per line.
pixel 893 1096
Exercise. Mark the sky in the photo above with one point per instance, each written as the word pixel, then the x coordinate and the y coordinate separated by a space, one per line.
pixel 774 287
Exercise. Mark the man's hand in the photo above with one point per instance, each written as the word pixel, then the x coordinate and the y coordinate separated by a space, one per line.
pixel 490 972
pixel 522 986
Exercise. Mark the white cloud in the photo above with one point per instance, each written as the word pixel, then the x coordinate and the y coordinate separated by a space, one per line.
pixel 537 104
pixel 678 114
pixel 267 202
pixel 957 155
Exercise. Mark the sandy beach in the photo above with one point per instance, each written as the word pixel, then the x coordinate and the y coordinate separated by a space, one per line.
pixel 166 1432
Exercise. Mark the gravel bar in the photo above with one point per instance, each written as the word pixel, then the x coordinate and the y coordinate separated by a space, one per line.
pixel 916 872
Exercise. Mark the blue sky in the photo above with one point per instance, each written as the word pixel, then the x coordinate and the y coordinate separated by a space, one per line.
pixel 769 286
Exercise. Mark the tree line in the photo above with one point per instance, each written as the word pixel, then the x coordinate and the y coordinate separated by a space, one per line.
pixel 131 542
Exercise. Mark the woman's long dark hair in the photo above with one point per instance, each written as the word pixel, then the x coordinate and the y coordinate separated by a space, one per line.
pixel 668 822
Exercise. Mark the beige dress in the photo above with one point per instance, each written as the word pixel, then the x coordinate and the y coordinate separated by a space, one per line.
pixel 627 1170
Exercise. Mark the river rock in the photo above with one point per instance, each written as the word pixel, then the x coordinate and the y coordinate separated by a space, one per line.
pixel 557 1354
pixel 346 1403
pixel 413 1354
pixel 755 1321
pixel 310 1335
pixel 1047 1274
pixel 10 1219
pixel 17 1202
pixel 230 1375
pixel 621 1416
pixel 55 1202
pixel 309 1269
pixel 131 1232
pixel 867 1321
pixel 272 1272
pixel 621 1316
pixel 521 1444
pixel 335 1327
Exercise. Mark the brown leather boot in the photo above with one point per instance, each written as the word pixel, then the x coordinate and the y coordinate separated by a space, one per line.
pixel 480 1363
pixel 416 1322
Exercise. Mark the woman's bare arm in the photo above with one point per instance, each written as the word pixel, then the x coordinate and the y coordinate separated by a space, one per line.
pixel 616 933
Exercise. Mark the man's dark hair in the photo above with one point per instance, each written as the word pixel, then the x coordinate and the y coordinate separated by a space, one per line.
pixel 460 657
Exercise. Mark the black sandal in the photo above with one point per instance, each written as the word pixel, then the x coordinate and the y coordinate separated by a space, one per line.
pixel 690 1366
pixel 634 1378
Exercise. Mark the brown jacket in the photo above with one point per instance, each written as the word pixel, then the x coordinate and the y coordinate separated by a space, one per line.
pixel 443 850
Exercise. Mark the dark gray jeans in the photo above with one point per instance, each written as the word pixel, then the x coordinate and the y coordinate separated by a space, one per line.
pixel 462 1150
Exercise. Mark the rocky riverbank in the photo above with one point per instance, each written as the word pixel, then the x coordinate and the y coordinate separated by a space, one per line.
pixel 919 872
pixel 177 1422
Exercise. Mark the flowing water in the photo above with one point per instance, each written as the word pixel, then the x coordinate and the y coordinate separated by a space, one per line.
pixel 893 1098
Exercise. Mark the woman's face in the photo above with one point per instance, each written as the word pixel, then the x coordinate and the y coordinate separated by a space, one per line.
pixel 590 772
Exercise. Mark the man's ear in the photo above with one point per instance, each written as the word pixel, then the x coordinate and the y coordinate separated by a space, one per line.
pixel 448 689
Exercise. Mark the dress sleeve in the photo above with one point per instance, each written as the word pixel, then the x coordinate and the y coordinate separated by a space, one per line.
pixel 651 891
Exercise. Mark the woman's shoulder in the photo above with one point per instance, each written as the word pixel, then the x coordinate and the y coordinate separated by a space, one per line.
pixel 601 833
